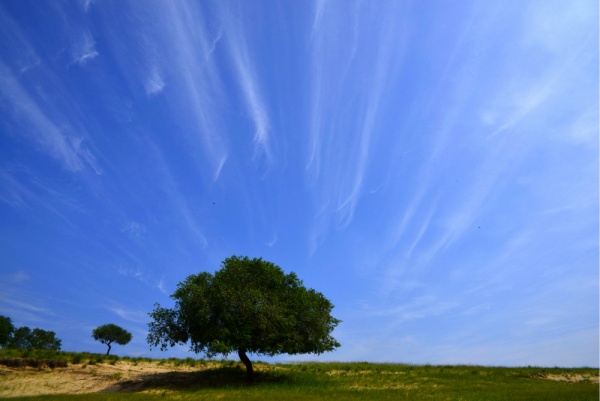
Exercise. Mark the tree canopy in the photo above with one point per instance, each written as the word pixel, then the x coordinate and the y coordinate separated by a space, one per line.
pixel 43 339
pixel 6 331
pixel 249 305
pixel 109 333
pixel 25 338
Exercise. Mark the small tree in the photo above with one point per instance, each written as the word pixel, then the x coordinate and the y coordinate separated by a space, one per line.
pixel 249 305
pixel 109 333
pixel 6 331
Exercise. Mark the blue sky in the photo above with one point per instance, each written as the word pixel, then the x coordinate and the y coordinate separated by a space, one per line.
pixel 430 166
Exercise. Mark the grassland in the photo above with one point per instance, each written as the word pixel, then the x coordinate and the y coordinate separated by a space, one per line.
pixel 97 377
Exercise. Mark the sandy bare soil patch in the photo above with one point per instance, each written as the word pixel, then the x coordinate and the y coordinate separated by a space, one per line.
pixel 573 378
pixel 75 379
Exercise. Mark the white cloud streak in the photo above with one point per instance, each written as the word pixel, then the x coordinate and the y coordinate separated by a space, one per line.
pixel 154 83
pixel 179 202
pixel 246 75
pixel 526 256
pixel 196 76
pixel 13 40
pixel 141 276
pixel 134 229
pixel 134 316
pixel 19 277
pixel 515 114
pixel 87 4
pixel 69 150
pixel 84 50
pixel 344 117
pixel 18 302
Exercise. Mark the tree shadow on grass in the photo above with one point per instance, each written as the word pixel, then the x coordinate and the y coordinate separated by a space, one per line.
pixel 223 377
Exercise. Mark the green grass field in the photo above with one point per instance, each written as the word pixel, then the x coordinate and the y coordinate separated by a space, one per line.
pixel 225 380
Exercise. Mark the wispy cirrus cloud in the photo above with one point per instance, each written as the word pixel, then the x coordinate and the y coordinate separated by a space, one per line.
pixel 135 316
pixel 155 83
pixel 134 229
pixel 84 49
pixel 18 300
pixel 526 142
pixel 19 277
pixel 246 75
pixel 349 82
pixel 67 148
pixel 14 42
pixel 515 114
pixel 25 192
pixel 141 276
pixel 179 203
pixel 196 83
pixel 14 192
pixel 87 4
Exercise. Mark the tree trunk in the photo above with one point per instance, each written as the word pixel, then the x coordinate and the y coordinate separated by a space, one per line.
pixel 244 358
pixel 108 350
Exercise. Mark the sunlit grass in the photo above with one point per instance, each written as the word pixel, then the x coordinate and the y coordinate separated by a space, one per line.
pixel 226 380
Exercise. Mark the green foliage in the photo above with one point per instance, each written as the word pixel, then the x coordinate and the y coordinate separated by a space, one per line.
pixel 25 338
pixel 42 339
pixel 109 333
pixel 249 305
pixel 21 338
pixel 6 330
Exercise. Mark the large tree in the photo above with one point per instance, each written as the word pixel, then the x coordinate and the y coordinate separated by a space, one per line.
pixel 111 333
pixel 248 306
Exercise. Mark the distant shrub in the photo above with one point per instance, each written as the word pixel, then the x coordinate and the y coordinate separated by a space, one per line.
pixel 33 363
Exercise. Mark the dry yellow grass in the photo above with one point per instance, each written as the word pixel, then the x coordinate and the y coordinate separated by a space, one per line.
pixel 75 379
